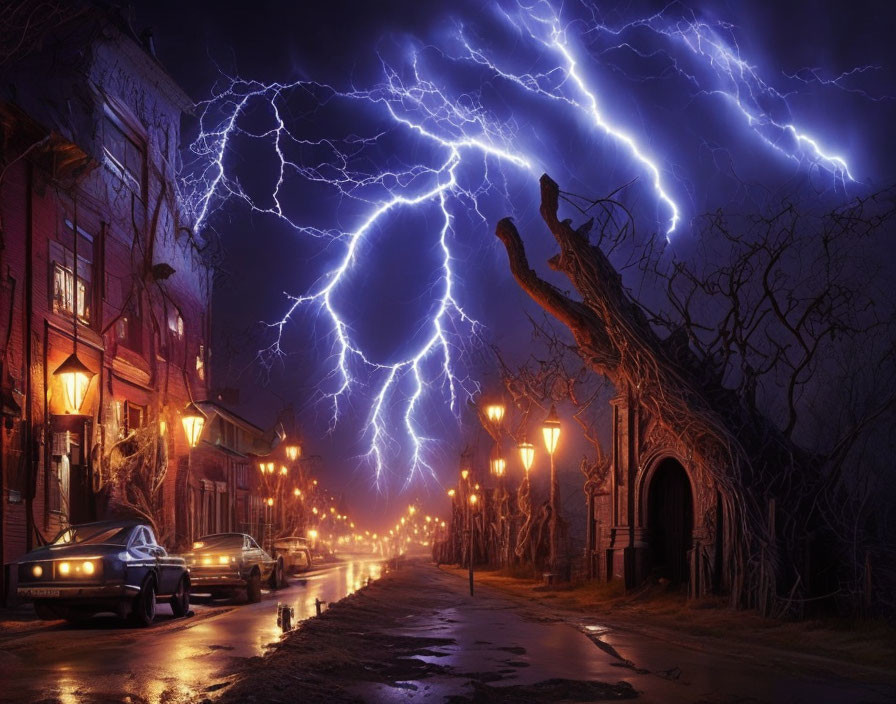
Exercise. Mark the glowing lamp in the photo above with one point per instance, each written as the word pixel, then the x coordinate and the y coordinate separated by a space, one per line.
pixel 297 492
pixel 527 454
pixel 312 534
pixel 451 493
pixel 412 510
pixel 495 412
pixel 473 499
pixel 498 466
pixel 283 470
pixel 75 377
pixel 551 430
pixel 293 452
pixel 193 420
pixel 270 501
pixel 464 473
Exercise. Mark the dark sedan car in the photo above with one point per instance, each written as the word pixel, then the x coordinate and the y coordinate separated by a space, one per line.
pixel 106 566
pixel 228 562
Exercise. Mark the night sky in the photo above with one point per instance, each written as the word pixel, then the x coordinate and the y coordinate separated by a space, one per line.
pixel 829 74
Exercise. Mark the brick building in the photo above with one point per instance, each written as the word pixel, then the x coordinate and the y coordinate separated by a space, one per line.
pixel 98 259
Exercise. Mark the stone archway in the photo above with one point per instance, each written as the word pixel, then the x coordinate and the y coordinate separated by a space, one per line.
pixel 670 520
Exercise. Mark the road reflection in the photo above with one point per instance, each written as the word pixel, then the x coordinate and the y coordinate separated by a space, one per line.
pixel 175 659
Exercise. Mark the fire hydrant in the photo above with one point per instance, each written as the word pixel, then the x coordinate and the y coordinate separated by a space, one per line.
pixel 285 614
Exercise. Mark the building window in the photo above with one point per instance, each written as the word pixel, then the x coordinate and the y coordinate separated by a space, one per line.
pixel 128 328
pixel 128 417
pixel 136 416
pixel 200 363
pixel 176 324
pixel 124 152
pixel 62 261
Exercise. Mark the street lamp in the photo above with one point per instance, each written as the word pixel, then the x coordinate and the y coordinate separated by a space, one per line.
pixel 464 473
pixel 498 466
pixel 75 377
pixel 495 412
pixel 551 431
pixel 527 455
pixel 293 452
pixel 193 421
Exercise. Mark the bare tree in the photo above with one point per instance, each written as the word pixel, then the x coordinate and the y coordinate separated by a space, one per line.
pixel 763 316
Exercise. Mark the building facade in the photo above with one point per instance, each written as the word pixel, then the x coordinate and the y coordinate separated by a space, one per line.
pixel 657 514
pixel 99 261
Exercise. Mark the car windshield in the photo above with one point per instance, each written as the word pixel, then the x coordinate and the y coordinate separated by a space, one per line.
pixel 219 542
pixel 93 535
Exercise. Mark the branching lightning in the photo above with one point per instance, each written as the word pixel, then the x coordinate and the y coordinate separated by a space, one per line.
pixel 462 138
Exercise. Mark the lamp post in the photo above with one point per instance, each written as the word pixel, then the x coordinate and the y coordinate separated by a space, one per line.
pixel 551 431
pixel 473 499
pixel 269 510
pixel 193 421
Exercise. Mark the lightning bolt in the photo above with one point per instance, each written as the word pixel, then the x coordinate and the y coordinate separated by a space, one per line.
pixel 732 78
pixel 467 153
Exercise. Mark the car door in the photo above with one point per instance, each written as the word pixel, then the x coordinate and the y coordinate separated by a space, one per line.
pixel 167 568
pixel 142 560
pixel 261 558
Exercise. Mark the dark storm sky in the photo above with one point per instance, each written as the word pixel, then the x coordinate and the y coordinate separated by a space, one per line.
pixel 713 162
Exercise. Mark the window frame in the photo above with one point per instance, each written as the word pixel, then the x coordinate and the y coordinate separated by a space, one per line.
pixel 132 133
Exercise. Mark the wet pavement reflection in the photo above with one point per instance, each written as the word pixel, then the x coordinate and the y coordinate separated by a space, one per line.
pixel 175 659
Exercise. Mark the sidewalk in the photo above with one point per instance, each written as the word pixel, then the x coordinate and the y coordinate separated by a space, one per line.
pixel 417 636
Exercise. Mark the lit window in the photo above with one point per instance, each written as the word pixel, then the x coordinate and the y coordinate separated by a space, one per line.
pixel 64 279
pixel 176 323
pixel 200 363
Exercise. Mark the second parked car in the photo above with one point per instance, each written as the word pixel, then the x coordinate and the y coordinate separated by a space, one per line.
pixel 229 562
pixel 295 552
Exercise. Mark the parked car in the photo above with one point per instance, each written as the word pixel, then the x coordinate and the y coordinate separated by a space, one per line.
pixel 228 562
pixel 295 553
pixel 106 566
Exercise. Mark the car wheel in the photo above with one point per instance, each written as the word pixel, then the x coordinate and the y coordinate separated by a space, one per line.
pixel 180 600
pixel 145 604
pixel 253 588
pixel 278 576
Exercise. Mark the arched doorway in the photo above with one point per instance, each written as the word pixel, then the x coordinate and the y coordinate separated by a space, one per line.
pixel 670 521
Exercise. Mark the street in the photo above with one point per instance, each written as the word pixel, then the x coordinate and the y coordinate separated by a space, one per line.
pixel 417 635
pixel 173 660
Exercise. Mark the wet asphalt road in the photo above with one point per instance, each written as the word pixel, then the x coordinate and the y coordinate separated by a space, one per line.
pixel 174 660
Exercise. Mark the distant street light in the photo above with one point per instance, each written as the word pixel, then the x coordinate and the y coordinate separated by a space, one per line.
pixel 495 412
pixel 551 431
pixel 473 499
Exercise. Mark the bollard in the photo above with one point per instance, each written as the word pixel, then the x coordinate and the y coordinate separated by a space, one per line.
pixel 317 605
pixel 279 613
pixel 286 619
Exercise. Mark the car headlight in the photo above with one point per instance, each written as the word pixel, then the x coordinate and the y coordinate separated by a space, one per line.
pixel 37 571
pixel 206 560
pixel 87 567
pixel 64 568
pixel 223 559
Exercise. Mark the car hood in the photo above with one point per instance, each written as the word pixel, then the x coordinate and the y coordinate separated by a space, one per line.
pixel 61 552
